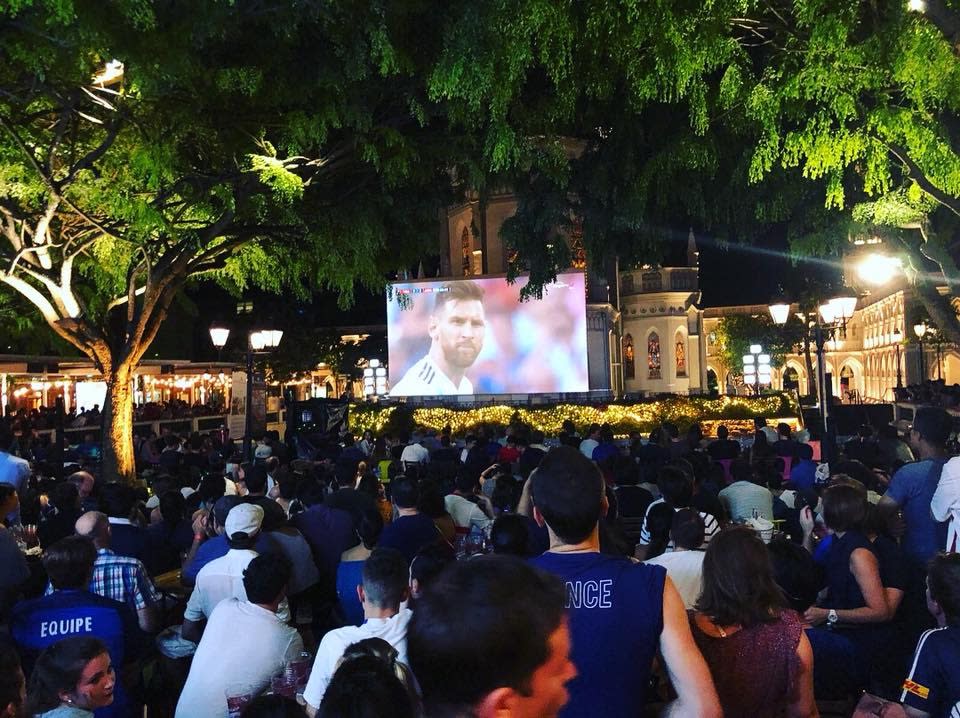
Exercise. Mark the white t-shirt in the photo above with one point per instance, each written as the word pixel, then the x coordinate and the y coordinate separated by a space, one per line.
pixel 427 379
pixel 243 647
pixel 741 498
pixel 946 502
pixel 685 568
pixel 220 579
pixel 393 630
pixel 465 513
pixel 415 454
pixel 587 446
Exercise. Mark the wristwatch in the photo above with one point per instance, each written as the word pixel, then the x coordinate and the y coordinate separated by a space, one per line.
pixel 832 617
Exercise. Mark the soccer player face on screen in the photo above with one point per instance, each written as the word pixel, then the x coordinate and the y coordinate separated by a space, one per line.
pixel 458 328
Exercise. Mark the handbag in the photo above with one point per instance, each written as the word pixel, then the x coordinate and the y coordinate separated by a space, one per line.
pixel 870 705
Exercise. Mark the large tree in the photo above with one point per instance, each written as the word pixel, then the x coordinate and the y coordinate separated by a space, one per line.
pixel 862 97
pixel 731 116
pixel 297 144
pixel 284 144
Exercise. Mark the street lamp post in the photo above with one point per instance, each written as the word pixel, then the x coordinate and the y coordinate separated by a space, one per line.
pixel 897 338
pixel 921 329
pixel 831 318
pixel 258 342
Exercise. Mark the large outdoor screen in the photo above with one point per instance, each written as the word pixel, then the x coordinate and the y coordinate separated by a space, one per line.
pixel 475 336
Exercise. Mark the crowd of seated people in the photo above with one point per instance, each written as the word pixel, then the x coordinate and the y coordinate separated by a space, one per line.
pixel 661 573
pixel 932 392
pixel 174 409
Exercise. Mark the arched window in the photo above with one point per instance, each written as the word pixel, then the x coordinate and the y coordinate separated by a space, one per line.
pixel 629 369
pixel 653 356
pixel 791 378
pixel 680 347
pixel 465 252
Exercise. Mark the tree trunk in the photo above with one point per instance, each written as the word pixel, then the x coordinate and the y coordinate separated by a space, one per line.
pixel 118 457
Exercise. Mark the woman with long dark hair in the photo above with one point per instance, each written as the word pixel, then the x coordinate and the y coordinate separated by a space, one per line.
pixel 760 659
pixel 71 679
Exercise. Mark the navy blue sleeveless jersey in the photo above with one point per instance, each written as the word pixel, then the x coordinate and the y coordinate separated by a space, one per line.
pixel 615 609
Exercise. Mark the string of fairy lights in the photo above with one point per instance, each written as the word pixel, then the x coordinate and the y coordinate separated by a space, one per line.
pixel 735 412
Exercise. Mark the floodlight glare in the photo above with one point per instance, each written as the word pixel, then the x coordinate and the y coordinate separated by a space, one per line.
pixel 878 269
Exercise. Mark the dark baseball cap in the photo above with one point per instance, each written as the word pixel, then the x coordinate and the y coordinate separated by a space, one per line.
pixel 222 507
pixel 933 424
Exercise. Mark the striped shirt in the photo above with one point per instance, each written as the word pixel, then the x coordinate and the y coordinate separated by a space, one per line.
pixel 710 526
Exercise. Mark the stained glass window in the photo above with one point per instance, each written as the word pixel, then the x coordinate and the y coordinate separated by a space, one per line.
pixel 681 353
pixel 653 356
pixel 629 370
pixel 465 252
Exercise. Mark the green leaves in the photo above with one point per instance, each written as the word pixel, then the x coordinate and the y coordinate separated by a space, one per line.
pixel 275 174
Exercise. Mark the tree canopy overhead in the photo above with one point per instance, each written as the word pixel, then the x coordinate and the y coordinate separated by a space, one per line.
pixel 862 98
pixel 296 145
pixel 286 145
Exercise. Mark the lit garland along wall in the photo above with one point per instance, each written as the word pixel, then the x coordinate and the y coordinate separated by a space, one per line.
pixel 623 418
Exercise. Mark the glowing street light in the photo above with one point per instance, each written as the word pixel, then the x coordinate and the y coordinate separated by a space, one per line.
pixel 257 341
pixel 878 269
pixel 780 313
pixel 831 317
pixel 920 330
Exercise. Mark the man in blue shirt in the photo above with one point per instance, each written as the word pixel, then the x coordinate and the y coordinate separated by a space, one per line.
pixel 71 610
pixel 803 476
pixel 912 487
pixel 411 530
pixel 117 501
pixel 932 687
pixel 620 613
pixel 910 492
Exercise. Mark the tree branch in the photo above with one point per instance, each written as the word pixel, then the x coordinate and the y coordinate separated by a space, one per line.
pixel 920 178
pixel 88 160
pixel 51 185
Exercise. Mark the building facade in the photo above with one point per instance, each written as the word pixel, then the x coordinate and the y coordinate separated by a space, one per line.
pixel 649 333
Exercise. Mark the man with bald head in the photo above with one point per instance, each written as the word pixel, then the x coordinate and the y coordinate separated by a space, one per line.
pixel 121 578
